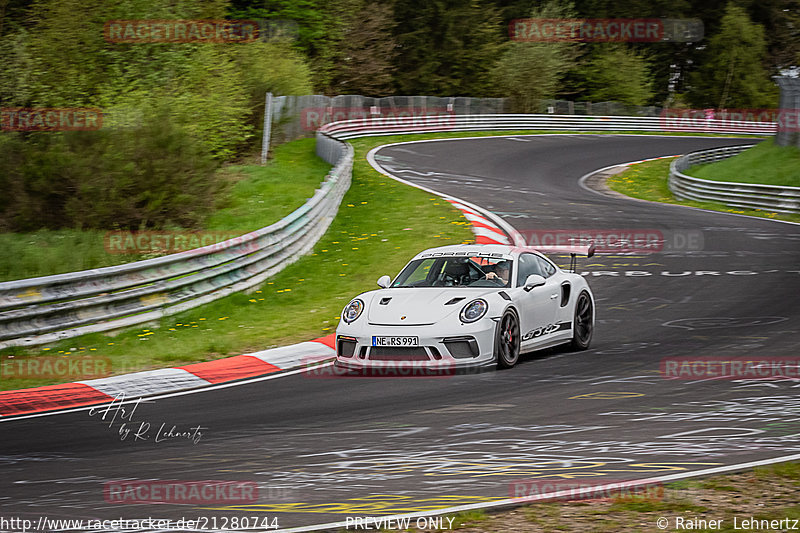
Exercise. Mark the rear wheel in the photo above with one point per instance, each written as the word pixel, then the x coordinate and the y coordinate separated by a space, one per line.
pixel 583 324
pixel 506 345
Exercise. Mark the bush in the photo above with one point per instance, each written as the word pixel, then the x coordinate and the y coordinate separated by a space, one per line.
pixel 149 176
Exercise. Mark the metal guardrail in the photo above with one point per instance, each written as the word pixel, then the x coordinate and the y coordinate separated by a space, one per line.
pixel 45 309
pixel 743 195
pixel 349 129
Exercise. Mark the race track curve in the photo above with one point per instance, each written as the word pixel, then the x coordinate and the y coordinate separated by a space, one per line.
pixel 324 448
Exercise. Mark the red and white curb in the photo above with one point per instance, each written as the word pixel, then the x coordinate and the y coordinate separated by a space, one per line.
pixel 485 230
pixel 166 380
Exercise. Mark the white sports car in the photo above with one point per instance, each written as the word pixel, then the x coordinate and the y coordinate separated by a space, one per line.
pixel 468 305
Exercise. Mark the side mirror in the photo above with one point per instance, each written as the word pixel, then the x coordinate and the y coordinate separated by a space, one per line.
pixel 533 281
pixel 384 281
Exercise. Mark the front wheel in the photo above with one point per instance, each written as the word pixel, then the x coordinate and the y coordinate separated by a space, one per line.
pixel 583 325
pixel 506 345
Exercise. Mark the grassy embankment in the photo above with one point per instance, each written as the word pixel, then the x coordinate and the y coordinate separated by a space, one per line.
pixel 764 163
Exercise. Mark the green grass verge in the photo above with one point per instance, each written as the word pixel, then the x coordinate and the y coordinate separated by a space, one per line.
pixel 764 163
pixel 380 224
pixel 765 493
pixel 259 196
pixel 648 181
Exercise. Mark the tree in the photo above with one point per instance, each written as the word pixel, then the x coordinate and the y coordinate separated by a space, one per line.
pixel 319 30
pixel 446 47
pixel 617 73
pixel 732 74
pixel 530 72
pixel 368 50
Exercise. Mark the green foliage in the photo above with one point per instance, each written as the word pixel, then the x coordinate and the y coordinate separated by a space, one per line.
pixel 154 175
pixel 530 72
pixel 366 51
pixel 731 74
pixel 215 91
pixel 318 33
pixel 446 47
pixel 617 73
pixel 259 196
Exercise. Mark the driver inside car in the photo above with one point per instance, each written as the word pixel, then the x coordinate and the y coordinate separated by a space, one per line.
pixel 500 273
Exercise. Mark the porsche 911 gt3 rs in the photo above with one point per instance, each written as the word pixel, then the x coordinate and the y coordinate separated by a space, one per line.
pixel 465 306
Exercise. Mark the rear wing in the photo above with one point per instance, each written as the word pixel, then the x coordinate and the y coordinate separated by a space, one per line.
pixel 573 251
pixel 588 251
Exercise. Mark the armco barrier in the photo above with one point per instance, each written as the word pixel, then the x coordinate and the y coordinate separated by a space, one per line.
pixel 350 129
pixel 40 310
pixel 744 195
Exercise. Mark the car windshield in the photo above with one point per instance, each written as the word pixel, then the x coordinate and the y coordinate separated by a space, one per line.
pixel 455 272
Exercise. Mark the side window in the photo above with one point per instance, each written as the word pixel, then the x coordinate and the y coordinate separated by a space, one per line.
pixel 546 268
pixel 528 264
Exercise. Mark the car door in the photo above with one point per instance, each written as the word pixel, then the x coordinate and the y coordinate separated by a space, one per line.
pixel 538 306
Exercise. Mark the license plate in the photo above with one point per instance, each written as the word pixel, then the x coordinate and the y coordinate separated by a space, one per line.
pixel 395 341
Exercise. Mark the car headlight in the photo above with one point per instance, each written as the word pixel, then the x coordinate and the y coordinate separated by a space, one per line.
pixel 474 310
pixel 352 310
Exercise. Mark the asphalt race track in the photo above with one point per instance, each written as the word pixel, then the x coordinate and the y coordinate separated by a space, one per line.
pixel 324 448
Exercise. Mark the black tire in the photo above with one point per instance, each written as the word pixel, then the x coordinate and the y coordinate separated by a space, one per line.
pixel 506 344
pixel 583 323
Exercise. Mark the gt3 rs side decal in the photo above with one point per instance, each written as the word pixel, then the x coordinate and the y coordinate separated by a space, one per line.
pixel 546 330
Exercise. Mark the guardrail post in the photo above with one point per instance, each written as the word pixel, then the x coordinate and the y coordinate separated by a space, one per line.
pixel 788 112
pixel 267 128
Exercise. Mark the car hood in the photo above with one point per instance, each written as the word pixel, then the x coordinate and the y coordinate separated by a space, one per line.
pixel 417 306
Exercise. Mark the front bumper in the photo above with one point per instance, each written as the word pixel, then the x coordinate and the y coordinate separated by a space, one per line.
pixel 469 345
